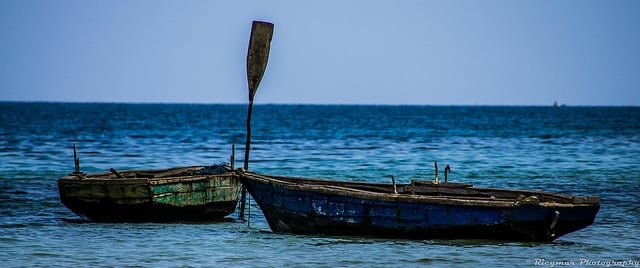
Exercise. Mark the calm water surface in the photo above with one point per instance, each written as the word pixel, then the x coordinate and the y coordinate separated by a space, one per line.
pixel 577 150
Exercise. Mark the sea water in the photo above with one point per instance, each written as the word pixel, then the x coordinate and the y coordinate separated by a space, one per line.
pixel 591 151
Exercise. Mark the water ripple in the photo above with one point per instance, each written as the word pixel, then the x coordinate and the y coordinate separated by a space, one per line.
pixel 579 150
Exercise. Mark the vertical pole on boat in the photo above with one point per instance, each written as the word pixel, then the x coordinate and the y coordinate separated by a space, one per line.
pixel 257 57
pixel 76 168
pixel 232 158
pixel 76 161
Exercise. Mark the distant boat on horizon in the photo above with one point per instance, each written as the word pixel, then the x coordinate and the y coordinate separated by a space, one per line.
pixel 558 104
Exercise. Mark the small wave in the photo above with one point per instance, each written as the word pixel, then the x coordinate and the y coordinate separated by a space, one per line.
pixel 8 240
pixel 14 225
pixel 45 254
pixel 545 136
pixel 74 220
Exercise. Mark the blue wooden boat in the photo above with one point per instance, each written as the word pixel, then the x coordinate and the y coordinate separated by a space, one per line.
pixel 419 210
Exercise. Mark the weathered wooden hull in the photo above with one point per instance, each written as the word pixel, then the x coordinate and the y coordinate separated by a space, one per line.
pixel 186 196
pixel 303 206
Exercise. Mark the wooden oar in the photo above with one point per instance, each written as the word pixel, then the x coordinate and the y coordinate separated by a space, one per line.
pixel 257 57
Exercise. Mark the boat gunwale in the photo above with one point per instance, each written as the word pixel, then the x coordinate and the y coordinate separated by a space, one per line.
pixel 323 186
pixel 108 177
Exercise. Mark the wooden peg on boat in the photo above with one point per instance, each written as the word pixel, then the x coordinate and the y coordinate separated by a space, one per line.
pixel 393 181
pixel 435 179
pixel 115 172
pixel 76 164
pixel 413 187
pixel 447 169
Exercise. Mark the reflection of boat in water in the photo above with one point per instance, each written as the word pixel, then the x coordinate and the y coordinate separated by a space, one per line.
pixel 195 193
pixel 420 210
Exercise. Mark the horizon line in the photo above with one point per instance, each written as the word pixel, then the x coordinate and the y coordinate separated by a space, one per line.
pixel 311 104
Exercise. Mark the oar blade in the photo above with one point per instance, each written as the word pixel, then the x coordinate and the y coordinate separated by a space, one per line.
pixel 258 54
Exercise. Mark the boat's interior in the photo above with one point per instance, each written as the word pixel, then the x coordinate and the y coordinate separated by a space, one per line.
pixel 163 173
pixel 430 188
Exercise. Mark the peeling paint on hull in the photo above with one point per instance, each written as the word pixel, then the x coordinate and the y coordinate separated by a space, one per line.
pixel 181 196
pixel 301 206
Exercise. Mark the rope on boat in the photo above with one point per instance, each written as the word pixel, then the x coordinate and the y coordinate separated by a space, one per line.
pixel 221 168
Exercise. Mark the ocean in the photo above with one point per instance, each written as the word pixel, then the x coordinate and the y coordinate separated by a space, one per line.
pixel 591 151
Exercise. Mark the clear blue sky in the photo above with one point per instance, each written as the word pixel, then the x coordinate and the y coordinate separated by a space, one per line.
pixel 485 52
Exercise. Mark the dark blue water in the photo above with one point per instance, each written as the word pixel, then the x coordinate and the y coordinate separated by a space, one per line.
pixel 578 150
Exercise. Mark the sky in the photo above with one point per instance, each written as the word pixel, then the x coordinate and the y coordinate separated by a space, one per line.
pixel 423 52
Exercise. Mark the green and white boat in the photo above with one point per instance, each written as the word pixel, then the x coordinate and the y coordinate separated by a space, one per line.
pixel 193 193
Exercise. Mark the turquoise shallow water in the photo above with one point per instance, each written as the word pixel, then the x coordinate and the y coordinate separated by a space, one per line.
pixel 578 150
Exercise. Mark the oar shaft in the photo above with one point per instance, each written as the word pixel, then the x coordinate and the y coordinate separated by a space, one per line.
pixel 257 58
pixel 248 141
